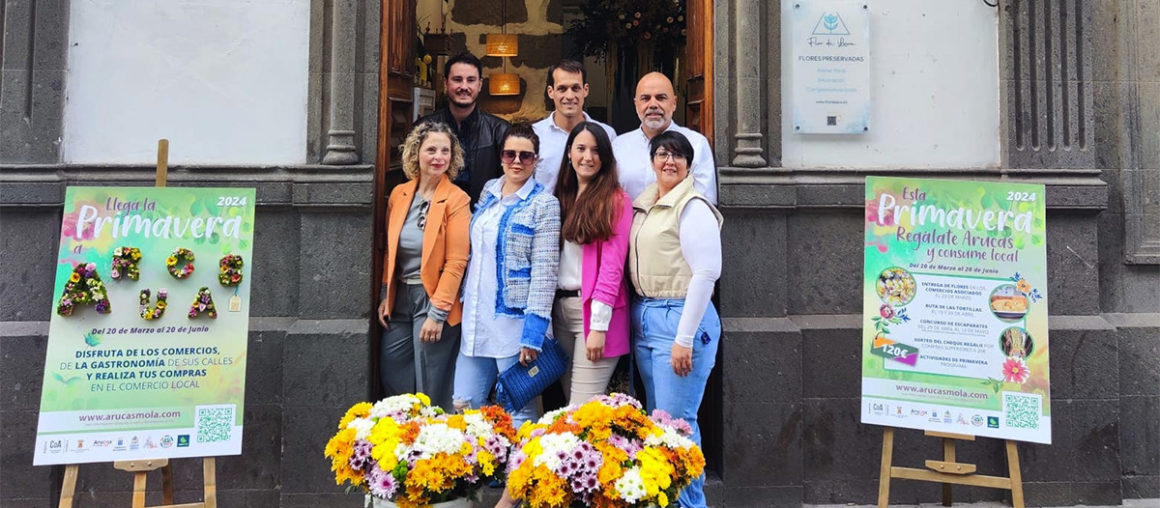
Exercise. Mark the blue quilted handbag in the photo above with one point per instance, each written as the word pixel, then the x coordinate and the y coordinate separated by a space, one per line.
pixel 519 384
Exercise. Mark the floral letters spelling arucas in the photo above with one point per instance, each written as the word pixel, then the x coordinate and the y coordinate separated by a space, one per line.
pixel 125 260
pixel 180 255
pixel 153 312
pixel 203 302
pixel 231 270
pixel 84 286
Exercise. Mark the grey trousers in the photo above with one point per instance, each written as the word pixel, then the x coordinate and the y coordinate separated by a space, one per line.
pixel 408 365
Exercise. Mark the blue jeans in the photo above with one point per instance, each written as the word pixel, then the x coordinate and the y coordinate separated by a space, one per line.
pixel 654 325
pixel 475 376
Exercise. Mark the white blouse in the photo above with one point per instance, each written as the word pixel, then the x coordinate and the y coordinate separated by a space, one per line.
pixel 486 333
pixel 571 278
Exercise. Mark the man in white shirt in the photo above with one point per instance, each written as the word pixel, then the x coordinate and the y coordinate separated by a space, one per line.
pixel 567 87
pixel 655 103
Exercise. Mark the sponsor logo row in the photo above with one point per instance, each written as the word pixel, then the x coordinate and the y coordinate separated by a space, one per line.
pixel 82 445
pixel 933 415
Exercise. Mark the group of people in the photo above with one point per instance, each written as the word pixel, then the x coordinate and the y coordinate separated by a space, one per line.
pixel 607 244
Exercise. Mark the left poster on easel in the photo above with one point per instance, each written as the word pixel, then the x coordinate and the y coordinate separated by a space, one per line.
pixel 147 343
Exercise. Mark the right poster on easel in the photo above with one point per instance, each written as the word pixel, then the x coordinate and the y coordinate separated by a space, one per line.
pixel 954 335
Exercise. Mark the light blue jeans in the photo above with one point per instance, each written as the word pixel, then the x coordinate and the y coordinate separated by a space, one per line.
pixel 475 376
pixel 654 325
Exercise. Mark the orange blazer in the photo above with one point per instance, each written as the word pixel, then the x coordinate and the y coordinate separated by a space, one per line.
pixel 445 243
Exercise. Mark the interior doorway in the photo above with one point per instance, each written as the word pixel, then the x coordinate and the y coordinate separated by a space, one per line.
pixel 418 35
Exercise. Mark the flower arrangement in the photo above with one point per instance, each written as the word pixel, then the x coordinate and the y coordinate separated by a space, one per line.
pixel 125 260
pixel 403 450
pixel 203 302
pixel 180 255
pixel 153 312
pixel 231 270
pixel 606 24
pixel 84 286
pixel 607 453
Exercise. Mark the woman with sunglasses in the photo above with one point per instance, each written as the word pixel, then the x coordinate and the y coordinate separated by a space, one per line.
pixel 511 277
pixel 590 317
pixel 674 259
pixel 427 246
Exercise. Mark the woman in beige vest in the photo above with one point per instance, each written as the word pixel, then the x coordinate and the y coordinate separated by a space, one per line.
pixel 674 259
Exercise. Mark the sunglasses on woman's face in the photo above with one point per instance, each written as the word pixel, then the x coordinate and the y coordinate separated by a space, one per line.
pixel 509 156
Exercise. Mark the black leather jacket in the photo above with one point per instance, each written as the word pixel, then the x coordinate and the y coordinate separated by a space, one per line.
pixel 479 135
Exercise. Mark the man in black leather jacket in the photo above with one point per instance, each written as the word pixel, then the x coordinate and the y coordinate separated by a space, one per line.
pixel 479 132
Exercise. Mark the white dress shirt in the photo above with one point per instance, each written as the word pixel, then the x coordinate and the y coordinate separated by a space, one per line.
pixel 552 142
pixel 636 170
pixel 486 333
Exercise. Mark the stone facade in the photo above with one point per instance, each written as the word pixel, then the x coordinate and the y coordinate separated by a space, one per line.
pixel 1079 118
pixel 783 413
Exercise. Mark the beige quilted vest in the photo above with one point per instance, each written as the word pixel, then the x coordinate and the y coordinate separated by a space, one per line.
pixel 655 263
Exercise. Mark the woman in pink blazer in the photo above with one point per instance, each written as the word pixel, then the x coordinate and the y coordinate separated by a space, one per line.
pixel 590 316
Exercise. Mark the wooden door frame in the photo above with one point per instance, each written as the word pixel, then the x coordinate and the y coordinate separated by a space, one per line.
pixel 705 43
pixel 396 44
pixel 396 40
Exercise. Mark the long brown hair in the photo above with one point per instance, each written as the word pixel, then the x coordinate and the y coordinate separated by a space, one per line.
pixel 590 217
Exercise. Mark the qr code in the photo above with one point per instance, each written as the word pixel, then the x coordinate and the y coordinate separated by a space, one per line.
pixel 1022 410
pixel 214 423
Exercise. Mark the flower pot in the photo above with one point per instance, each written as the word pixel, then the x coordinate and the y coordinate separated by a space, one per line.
pixel 455 503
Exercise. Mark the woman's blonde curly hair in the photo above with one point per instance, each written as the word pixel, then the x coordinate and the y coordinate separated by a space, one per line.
pixel 415 140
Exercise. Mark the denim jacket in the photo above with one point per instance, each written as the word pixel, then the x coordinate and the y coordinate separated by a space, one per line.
pixel 528 258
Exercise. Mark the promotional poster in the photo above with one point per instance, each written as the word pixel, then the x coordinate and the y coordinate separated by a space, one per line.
pixel 955 308
pixel 147 343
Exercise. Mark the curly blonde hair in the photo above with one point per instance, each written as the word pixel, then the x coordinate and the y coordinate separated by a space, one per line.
pixel 415 140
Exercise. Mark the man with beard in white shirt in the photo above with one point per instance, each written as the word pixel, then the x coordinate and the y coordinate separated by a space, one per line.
pixel 655 103
pixel 567 87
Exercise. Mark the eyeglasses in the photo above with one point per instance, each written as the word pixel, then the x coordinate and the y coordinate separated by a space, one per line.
pixel 668 156
pixel 422 220
pixel 509 156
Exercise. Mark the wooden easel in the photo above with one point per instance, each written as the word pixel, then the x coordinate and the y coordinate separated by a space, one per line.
pixel 140 468
pixel 948 471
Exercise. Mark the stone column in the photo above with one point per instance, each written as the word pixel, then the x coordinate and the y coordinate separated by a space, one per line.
pixel 748 151
pixel 33 48
pixel 340 94
pixel 1048 78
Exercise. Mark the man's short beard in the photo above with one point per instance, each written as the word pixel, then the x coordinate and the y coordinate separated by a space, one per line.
pixel 654 124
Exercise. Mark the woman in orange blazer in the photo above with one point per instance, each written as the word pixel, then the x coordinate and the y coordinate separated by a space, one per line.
pixel 427 246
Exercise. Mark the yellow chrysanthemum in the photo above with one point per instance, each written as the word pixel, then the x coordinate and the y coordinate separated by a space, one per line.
pixel 171 261
pixel 357 411
pixel 424 398
pixel 486 462
pixel 457 422
pixel 75 277
pixel 550 491
pixel 655 470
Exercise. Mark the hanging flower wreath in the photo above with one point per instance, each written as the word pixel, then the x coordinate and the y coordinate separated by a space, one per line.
pixel 125 260
pixel 231 270
pixel 203 302
pixel 183 257
pixel 153 312
pixel 84 286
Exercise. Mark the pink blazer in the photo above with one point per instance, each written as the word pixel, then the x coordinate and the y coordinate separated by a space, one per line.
pixel 602 275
